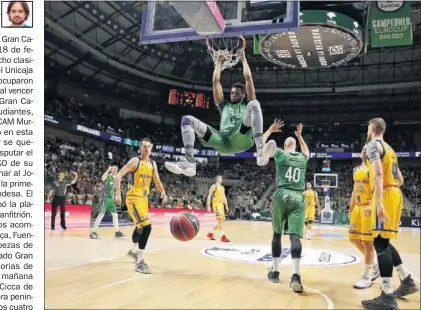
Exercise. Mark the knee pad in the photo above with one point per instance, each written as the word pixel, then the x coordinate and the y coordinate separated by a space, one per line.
pixel 185 120
pixel 136 235
pixel 296 247
pixel 143 240
pixel 380 244
pixel 254 104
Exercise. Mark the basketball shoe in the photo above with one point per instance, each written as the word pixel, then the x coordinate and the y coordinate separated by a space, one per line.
pixel 295 284
pixel 225 239
pixel 210 236
pixel 181 167
pixel 407 287
pixel 383 302
pixel 142 267
pixel 94 235
pixel 364 282
pixel 262 159
pixel 273 276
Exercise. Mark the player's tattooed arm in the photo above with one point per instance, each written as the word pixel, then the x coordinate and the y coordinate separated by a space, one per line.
pixel 129 167
pixel 218 93
pixel 158 183
pixel 251 92
pixel 208 201
pixel 303 145
pixel 373 155
pixel 104 176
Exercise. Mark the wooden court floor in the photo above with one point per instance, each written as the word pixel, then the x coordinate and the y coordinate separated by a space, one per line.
pixel 203 274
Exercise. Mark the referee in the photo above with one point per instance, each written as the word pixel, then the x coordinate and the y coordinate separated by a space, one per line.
pixel 58 192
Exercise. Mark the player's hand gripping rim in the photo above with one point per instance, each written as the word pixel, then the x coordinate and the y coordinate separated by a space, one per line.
pixel 276 126
pixel 380 213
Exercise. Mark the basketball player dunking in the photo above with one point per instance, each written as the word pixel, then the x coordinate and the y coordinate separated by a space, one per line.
pixel 142 170
pixel 241 124
pixel 312 200
pixel 107 203
pixel 288 203
pixel 219 206
pixel 359 232
pixel 387 203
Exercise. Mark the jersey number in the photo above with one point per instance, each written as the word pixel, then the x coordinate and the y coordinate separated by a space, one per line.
pixel 395 171
pixel 293 175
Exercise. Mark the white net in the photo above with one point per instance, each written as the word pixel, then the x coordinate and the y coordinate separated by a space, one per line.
pixel 226 51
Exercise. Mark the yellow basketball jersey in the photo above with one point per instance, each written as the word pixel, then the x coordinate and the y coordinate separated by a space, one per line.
pixel 310 197
pixel 389 163
pixel 141 178
pixel 362 187
pixel 219 194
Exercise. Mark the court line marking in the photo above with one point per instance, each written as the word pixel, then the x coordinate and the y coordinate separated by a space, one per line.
pixel 329 301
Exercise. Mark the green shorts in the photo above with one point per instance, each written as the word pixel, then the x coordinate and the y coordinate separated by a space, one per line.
pixel 288 212
pixel 108 205
pixel 236 140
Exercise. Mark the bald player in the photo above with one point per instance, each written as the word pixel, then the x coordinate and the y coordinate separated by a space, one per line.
pixel 386 209
pixel 288 211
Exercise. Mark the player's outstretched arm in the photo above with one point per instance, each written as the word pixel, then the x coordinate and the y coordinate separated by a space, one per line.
pixel 373 154
pixel 158 183
pixel 218 93
pixel 129 167
pixel 104 176
pixel 251 92
pixel 303 145
pixel 208 201
pixel 275 127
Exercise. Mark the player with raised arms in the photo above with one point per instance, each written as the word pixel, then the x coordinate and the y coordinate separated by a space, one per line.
pixel 142 170
pixel 359 233
pixel 312 200
pixel 241 124
pixel 387 204
pixel 288 210
pixel 107 203
pixel 219 202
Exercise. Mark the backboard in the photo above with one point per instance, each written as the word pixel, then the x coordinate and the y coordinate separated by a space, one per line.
pixel 161 22
pixel 325 179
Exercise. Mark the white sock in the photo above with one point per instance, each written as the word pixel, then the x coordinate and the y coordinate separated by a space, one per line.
pixel 402 272
pixel 135 247
pixel 140 255
pixel 222 232
pixel 115 221
pixel 367 271
pixel 387 285
pixel 98 221
pixel 275 263
pixel 296 266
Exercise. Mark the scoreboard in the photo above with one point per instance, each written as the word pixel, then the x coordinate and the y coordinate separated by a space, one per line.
pixel 189 99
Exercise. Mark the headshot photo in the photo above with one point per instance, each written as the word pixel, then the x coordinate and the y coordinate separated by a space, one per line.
pixel 16 14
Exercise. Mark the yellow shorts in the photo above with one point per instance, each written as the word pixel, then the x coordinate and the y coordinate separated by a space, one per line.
pixel 138 208
pixel 392 204
pixel 219 210
pixel 310 213
pixel 360 225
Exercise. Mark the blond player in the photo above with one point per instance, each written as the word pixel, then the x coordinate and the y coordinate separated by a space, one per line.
pixel 312 200
pixel 219 206
pixel 387 203
pixel 360 222
pixel 142 170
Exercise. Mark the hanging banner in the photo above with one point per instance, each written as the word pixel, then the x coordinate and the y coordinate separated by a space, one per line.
pixel 391 23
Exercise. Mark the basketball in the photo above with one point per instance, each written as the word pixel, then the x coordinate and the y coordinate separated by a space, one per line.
pixel 184 226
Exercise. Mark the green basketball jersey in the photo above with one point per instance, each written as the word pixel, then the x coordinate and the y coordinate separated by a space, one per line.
pixel 232 114
pixel 290 170
pixel 109 186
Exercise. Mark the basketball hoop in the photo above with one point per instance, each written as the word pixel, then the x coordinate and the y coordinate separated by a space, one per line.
pixel 226 51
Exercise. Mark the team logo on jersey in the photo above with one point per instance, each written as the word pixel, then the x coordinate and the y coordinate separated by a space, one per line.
pixel 310 257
